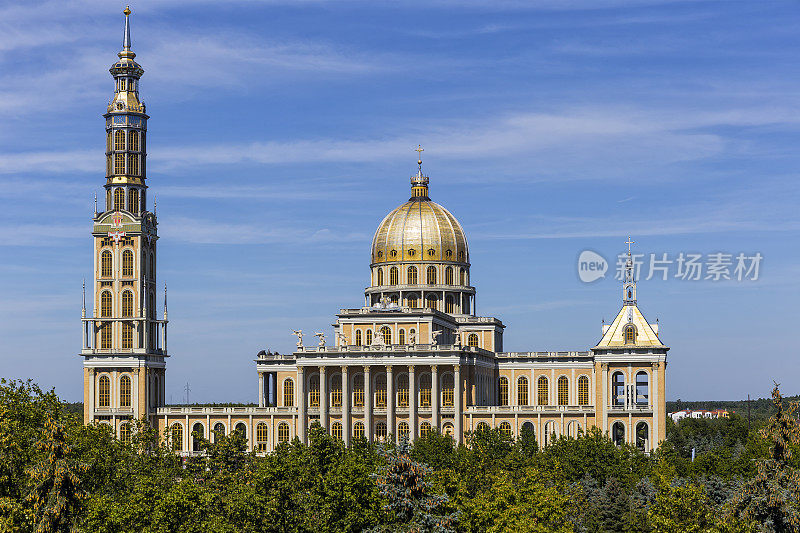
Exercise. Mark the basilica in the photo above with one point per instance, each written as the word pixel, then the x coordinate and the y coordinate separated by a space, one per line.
pixel 414 358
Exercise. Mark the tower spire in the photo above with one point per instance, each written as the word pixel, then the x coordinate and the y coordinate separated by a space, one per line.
pixel 126 39
pixel 629 280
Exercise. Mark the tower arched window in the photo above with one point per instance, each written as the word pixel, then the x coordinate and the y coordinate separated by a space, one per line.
pixel 119 140
pixel 105 304
pixel 369 337
pixel 106 260
pixel 402 390
pixel 642 435
pixel 109 142
pixel 411 275
pixel 448 276
pixel 380 392
pixel 583 390
pixel 177 437
pixel 462 276
pixel 563 390
pixel 104 392
pixel 543 391
pixel 313 391
pixel 262 435
pixel 133 201
pixel 283 432
pixel 522 391
pixel 358 337
pixel 472 340
pixel 449 305
pixel 393 276
pixel 119 164
pixel 125 391
pixel 358 390
pixel 630 334
pixel 127 335
pixel 336 391
pixel 133 164
pixel 105 336
pixel 380 276
pixel 448 390
pixel 425 390
pixel 503 390
pixel 127 264
pixel 431 275
pixel 288 392
pixel 642 392
pixel 386 333
pixel 618 389
pixel 133 141
pixel 119 199
pixel 197 437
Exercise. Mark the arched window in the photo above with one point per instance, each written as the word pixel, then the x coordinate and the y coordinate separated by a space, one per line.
pixel 402 431
pixel 177 437
pixel 288 392
pixel 127 303
pixel 219 430
pixel 472 340
pixel 527 427
pixel 618 433
pixel 119 168
pixel 522 391
pixel 369 337
pixel 261 437
pixel 105 264
pixel 336 391
pixel 425 390
pixel 133 201
pixel 314 391
pixel 133 141
pixel 105 304
pixel 483 426
pixel 119 195
pixel 618 389
pixel 127 335
pixel 119 140
pixel 283 432
pixel 358 430
pixel 401 336
pixel 642 436
pixel 448 276
pixel 393 276
pixel 544 392
pixel 550 433
pixel 563 390
pixel 412 301
pixel 424 429
pixel 642 392
pixel 358 337
pixel 125 391
pixel 127 263
pixel 505 429
pixel 358 390
pixel 241 428
pixel 448 390
pixel 448 430
pixel 197 437
pixel 411 275
pixel 386 333
pixel 503 390
pixel 583 390
pixel 125 432
pixel 432 301
pixel 462 276
pixel 431 275
pixel 380 391
pixel 380 276
pixel 402 390
pixel 449 305
pixel 133 164
pixel 104 392
pixel 336 430
pixel 380 431
pixel 630 334
pixel 105 336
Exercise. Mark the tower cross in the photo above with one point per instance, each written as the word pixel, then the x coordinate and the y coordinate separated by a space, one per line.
pixel 419 149
pixel 629 242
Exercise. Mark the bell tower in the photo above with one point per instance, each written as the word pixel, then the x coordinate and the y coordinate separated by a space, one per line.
pixel 124 343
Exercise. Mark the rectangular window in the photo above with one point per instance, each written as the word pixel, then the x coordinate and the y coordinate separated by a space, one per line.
pixel 105 336
pixel 127 335
pixel 119 163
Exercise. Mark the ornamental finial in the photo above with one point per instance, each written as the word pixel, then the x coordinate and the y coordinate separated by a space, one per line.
pixel 419 149
pixel 126 40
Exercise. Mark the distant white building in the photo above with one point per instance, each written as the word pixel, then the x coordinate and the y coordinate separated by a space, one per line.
pixel 699 413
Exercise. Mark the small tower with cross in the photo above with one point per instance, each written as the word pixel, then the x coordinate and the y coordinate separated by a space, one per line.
pixel 629 278
pixel 419 183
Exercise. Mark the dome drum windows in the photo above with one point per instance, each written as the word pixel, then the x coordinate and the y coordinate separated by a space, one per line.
pixel 380 276
pixel 431 275
pixel 411 275
pixel 393 276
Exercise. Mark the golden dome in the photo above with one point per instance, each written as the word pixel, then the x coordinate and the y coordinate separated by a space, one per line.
pixel 420 230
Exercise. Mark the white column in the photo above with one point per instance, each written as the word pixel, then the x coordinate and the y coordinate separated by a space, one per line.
pixel 654 395
pixel 604 407
pixel 412 403
pixel 457 401
pixel 323 397
pixel 390 402
pixel 435 396
pixel 368 403
pixel 301 403
pixel 261 389
pixel 346 429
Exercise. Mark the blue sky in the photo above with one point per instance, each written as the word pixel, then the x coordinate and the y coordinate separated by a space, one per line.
pixel 282 132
